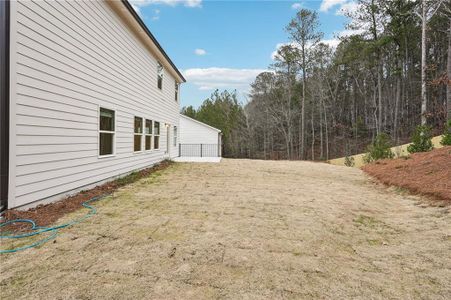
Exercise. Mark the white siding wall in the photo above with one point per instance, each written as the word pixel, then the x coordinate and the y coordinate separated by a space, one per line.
pixel 191 132
pixel 69 58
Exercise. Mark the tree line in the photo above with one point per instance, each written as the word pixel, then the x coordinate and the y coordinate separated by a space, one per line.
pixel 317 102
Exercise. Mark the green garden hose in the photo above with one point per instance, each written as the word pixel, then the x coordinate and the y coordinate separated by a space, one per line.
pixel 37 230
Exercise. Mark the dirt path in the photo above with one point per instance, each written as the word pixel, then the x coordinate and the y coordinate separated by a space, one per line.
pixel 245 230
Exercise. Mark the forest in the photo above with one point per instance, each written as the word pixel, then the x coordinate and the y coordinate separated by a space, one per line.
pixel 315 102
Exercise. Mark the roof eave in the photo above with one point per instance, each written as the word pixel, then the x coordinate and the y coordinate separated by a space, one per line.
pixel 152 37
pixel 201 123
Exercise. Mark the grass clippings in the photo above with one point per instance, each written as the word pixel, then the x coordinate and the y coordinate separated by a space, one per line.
pixel 426 173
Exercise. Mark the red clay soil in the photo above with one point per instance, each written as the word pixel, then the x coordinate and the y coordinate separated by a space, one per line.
pixel 46 214
pixel 427 173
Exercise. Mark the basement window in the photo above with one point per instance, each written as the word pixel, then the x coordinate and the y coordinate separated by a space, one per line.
pixel 156 135
pixel 106 132
pixel 138 134
pixel 148 135
pixel 160 76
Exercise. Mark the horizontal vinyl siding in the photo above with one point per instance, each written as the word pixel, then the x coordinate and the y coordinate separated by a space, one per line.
pixel 72 58
pixel 192 132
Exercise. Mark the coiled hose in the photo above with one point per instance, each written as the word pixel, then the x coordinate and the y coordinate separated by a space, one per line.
pixel 37 230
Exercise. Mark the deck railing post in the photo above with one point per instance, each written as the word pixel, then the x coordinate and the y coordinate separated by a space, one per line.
pixel 200 150
pixel 180 149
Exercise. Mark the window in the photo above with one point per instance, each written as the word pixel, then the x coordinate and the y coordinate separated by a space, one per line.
pixel 148 134
pixel 156 135
pixel 175 136
pixel 160 76
pixel 138 134
pixel 176 91
pixel 106 132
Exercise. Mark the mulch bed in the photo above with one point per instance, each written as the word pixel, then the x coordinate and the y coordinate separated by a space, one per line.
pixel 427 173
pixel 46 214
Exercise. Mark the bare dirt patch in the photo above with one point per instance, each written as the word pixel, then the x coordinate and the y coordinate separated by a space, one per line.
pixel 244 229
pixel 427 173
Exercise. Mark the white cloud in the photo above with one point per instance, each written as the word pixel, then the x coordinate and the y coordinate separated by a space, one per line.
pixel 187 3
pixel 328 4
pixel 346 8
pixel 193 3
pixel 343 6
pixel 200 52
pixel 332 42
pixel 221 78
pixel 296 6
pixel 349 32
pixel 280 45
pixel 335 41
pixel 156 15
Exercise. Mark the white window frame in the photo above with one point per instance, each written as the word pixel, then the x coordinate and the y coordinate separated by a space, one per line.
pixel 177 91
pixel 106 131
pixel 140 134
pixel 156 135
pixel 175 132
pixel 160 73
pixel 148 134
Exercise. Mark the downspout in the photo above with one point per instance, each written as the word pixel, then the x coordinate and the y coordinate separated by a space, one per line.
pixel 4 102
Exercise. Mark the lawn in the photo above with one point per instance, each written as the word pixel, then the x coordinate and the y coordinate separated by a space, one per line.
pixel 244 229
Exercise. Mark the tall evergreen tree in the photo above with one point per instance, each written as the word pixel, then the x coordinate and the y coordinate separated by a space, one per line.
pixel 304 31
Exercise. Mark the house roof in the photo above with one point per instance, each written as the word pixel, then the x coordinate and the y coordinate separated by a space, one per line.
pixel 152 37
pixel 199 122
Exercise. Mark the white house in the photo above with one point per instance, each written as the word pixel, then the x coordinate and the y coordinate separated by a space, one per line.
pixel 87 94
pixel 198 139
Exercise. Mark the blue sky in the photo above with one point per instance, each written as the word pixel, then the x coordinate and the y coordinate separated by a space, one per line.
pixel 225 44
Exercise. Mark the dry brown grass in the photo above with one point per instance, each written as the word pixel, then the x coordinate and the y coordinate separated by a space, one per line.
pixel 244 229
pixel 47 214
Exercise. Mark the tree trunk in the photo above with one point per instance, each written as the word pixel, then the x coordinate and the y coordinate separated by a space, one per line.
pixel 304 79
pixel 374 113
pixel 423 64
pixel 326 131
pixel 313 133
pixel 303 113
pixel 321 130
pixel 397 100
pixel 379 92
pixel 448 83
pixel 379 72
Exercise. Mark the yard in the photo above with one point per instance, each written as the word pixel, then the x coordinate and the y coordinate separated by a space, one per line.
pixel 244 229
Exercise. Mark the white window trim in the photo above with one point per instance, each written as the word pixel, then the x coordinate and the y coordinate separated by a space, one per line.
pixel 106 131
pixel 156 135
pixel 141 134
pixel 146 135
pixel 158 75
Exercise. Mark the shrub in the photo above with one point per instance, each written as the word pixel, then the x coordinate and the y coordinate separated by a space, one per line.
pixel 421 140
pixel 379 149
pixel 446 137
